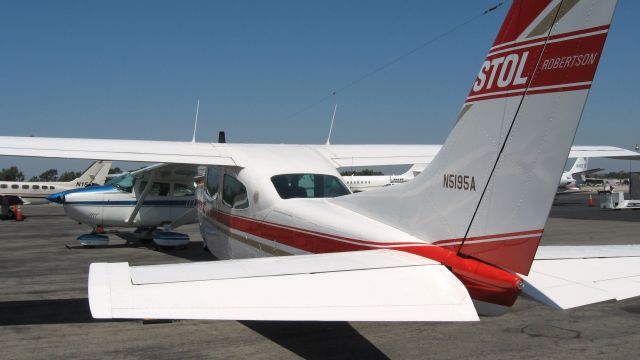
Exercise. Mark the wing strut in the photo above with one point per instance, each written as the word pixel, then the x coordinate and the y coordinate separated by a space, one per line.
pixel 143 196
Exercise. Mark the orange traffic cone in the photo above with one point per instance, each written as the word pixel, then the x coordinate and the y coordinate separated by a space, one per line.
pixel 590 201
pixel 19 213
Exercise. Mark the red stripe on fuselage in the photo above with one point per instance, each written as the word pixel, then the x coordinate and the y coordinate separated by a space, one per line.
pixel 315 242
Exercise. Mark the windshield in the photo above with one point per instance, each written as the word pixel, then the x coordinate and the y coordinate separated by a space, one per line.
pixel 123 183
pixel 291 186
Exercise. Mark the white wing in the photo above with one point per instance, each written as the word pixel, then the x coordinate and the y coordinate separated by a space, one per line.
pixel 183 152
pixel 611 152
pixel 376 155
pixel 350 286
pixel 564 277
pixel 177 152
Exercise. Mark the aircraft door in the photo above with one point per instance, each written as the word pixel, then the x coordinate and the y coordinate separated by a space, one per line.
pixel 239 215
pixel 212 222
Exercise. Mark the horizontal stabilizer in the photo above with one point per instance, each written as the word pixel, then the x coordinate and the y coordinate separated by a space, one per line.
pixel 564 277
pixel 587 172
pixel 377 285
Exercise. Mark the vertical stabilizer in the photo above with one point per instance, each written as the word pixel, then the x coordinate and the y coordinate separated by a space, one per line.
pixel 95 174
pixel 580 165
pixel 488 192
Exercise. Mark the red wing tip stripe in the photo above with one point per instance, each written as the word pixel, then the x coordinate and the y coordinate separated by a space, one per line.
pixel 599 29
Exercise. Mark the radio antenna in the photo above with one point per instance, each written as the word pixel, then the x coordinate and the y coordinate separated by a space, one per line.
pixel 195 127
pixel 333 116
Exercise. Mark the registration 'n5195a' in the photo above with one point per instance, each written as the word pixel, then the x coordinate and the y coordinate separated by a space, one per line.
pixel 459 182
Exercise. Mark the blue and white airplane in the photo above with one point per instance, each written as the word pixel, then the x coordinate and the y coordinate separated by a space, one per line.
pixel 158 196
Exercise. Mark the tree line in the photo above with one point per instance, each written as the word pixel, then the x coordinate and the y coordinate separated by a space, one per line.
pixel 364 172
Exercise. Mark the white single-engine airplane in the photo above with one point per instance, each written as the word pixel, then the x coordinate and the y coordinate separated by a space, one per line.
pixel 36 192
pixel 464 232
pixel 156 196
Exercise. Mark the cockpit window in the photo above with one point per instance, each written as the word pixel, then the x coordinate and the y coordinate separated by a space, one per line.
pixel 234 193
pixel 291 186
pixel 157 188
pixel 123 183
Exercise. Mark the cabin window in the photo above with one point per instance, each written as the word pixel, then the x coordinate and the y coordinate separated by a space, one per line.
pixel 234 194
pixel 183 190
pixel 14 186
pixel 123 183
pixel 52 187
pixel 26 187
pixel 291 186
pixel 3 186
pixel 45 187
pixel 36 187
pixel 213 180
pixel 157 188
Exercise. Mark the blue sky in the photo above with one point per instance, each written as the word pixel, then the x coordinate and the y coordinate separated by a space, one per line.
pixel 134 69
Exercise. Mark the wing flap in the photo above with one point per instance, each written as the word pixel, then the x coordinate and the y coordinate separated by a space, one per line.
pixel 405 291
pixel 564 277
pixel 274 266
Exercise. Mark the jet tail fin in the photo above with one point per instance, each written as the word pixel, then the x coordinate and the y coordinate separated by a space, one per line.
pixel 579 165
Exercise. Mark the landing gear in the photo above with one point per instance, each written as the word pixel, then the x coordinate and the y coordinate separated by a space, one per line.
pixel 144 234
pixel 93 239
pixel 168 238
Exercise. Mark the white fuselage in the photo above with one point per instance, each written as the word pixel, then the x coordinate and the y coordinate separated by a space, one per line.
pixel 35 193
pixel 271 225
pixel 112 207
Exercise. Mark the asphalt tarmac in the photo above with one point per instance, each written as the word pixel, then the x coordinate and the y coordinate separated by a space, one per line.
pixel 44 313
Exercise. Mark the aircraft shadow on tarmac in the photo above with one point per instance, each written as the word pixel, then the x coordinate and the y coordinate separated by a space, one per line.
pixel 317 340
pixel 39 312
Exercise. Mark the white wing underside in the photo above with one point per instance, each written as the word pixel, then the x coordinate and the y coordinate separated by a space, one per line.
pixel 182 152
pixel 178 152
pixel 610 152
pixel 564 277
pixel 376 285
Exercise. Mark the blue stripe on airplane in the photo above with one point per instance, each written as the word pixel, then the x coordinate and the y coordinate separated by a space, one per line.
pixel 133 203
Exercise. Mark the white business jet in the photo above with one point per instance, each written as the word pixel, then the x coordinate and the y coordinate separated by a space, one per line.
pixel 569 181
pixel 36 192
pixel 576 176
pixel 359 183
pixel 158 196
pixel 459 240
